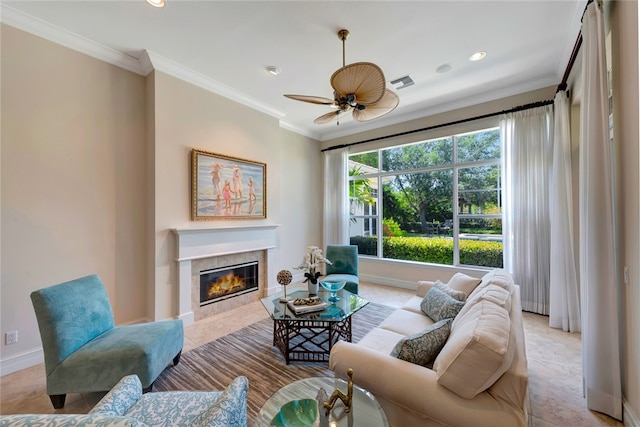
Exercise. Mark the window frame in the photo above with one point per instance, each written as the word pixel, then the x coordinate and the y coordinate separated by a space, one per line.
pixel 454 166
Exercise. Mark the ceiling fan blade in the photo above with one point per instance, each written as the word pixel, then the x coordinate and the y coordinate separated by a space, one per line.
pixel 326 118
pixel 387 104
pixel 329 117
pixel 312 99
pixel 364 79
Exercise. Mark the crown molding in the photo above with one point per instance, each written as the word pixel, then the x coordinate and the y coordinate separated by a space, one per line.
pixel 145 64
pixel 181 72
pixel 68 39
pixel 299 130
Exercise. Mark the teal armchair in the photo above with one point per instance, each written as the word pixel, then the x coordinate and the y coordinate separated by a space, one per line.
pixel 344 266
pixel 84 351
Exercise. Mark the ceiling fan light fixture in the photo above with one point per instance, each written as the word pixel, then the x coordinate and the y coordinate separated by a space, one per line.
pixel 273 70
pixel 156 3
pixel 359 88
pixel 477 56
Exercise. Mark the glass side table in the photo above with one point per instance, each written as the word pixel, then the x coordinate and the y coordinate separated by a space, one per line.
pixel 365 409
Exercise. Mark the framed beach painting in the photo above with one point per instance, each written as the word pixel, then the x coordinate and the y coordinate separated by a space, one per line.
pixel 225 187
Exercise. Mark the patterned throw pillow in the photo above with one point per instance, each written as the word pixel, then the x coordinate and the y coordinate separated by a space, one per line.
pixel 423 347
pixel 459 295
pixel 438 305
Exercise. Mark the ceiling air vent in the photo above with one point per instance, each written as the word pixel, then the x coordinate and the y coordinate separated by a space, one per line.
pixel 402 82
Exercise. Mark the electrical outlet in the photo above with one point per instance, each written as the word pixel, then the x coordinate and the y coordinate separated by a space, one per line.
pixel 626 275
pixel 11 337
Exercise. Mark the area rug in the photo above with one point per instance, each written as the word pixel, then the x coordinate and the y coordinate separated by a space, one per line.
pixel 250 352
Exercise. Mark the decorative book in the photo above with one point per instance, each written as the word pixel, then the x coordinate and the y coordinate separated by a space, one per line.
pixel 307 305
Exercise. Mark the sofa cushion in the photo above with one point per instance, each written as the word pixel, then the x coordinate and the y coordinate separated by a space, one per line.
pixel 380 340
pixel 489 292
pixel 423 347
pixel 414 305
pixel 497 277
pixel 462 282
pixel 438 305
pixel 406 322
pixel 477 352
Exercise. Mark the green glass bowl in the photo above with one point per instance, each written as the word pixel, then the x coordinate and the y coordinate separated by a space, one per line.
pixel 297 413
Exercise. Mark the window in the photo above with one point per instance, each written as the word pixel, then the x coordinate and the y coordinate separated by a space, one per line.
pixel 436 201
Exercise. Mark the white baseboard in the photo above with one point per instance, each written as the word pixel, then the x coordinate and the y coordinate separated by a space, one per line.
pixel 404 284
pixel 629 418
pixel 187 318
pixel 21 361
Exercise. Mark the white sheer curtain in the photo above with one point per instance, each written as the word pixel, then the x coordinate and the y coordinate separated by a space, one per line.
pixel 336 206
pixel 564 299
pixel 598 279
pixel 526 144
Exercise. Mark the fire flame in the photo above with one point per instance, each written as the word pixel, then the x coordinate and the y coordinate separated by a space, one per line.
pixel 226 285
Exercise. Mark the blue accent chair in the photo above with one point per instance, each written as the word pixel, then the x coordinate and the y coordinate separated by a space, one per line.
pixel 125 405
pixel 344 266
pixel 85 352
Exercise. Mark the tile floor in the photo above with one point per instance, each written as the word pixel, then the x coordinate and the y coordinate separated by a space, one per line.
pixel 555 396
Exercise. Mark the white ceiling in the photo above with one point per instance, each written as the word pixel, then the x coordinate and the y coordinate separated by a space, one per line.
pixel 225 46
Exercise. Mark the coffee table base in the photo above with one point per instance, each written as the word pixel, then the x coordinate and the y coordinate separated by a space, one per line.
pixel 309 340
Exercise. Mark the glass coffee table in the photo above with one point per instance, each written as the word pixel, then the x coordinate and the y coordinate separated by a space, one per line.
pixel 309 337
pixel 365 409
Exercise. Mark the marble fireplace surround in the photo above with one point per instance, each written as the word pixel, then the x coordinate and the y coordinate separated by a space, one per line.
pixel 195 246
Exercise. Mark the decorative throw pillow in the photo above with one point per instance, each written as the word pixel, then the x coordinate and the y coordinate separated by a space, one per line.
pixel 422 348
pixel 464 283
pixel 438 305
pixel 459 295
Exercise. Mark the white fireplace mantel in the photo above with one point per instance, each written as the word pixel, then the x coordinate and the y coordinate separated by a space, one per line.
pixel 198 243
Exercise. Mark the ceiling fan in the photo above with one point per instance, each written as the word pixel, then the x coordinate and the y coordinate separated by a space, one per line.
pixel 359 87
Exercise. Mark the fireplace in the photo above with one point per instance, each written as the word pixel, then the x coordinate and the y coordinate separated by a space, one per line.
pixel 227 282
pixel 211 249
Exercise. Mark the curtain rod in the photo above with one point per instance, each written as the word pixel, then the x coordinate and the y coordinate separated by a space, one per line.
pixel 456 122
pixel 572 59
pixel 574 54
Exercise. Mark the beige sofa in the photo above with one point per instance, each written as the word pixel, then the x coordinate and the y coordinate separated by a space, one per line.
pixel 479 378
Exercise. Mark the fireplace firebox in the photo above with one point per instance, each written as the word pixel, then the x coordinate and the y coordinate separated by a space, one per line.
pixel 226 282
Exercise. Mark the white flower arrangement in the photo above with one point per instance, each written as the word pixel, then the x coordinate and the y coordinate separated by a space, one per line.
pixel 311 263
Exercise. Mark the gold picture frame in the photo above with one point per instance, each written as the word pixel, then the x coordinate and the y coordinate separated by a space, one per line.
pixel 226 187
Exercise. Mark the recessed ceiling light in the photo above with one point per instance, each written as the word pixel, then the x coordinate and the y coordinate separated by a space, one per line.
pixel 443 68
pixel 156 3
pixel 477 56
pixel 273 70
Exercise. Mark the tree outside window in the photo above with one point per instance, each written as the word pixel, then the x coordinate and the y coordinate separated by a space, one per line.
pixel 436 201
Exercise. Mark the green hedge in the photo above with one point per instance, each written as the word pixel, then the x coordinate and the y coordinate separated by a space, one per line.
pixel 436 250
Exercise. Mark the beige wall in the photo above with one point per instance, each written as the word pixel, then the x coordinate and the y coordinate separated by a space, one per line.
pixel 624 32
pixel 73 179
pixel 95 171
pixel 187 117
